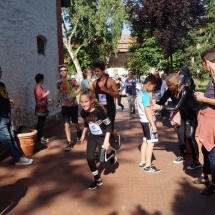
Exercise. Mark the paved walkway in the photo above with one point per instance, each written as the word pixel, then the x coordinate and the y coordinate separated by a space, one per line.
pixel 57 181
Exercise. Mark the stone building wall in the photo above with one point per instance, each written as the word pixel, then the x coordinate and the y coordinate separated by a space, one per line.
pixel 21 22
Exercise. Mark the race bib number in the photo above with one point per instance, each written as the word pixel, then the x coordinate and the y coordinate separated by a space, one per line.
pixel 103 99
pixel 95 129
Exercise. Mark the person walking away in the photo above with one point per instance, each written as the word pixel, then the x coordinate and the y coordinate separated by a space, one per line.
pixel 185 103
pixel 68 90
pixel 150 136
pixel 105 91
pixel 119 86
pixel 85 84
pixel 206 127
pixel 6 131
pixel 41 101
pixel 99 124
pixel 157 90
pixel 130 89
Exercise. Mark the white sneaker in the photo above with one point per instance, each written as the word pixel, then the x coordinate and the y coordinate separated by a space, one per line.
pixel 44 140
pixel 24 161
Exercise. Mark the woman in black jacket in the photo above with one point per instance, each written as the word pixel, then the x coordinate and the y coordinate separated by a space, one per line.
pixel 184 102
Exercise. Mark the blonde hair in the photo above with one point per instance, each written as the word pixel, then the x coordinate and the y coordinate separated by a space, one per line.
pixel 156 74
pixel 173 78
pixel 91 95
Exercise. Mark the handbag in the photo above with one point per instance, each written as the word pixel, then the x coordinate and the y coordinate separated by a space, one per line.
pixel 41 110
pixel 175 118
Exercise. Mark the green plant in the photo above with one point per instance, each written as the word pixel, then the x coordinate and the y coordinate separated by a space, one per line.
pixel 23 129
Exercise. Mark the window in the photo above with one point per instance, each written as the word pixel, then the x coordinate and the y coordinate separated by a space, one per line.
pixel 41 43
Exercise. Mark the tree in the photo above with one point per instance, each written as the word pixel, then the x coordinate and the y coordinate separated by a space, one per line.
pixel 92 22
pixel 144 55
pixel 169 21
pixel 202 39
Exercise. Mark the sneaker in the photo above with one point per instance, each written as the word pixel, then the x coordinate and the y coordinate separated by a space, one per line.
pixel 142 165
pixel 79 133
pixel 194 165
pixel 113 158
pixel 117 143
pixel 69 146
pixel 179 159
pixel 24 161
pixel 152 169
pixel 123 109
pixel 95 184
pixel 44 140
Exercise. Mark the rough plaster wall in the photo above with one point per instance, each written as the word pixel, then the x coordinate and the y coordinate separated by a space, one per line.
pixel 21 22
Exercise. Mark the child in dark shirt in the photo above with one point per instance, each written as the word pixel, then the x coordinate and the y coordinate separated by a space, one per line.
pixel 96 119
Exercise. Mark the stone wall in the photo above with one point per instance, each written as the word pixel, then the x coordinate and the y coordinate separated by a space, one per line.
pixel 21 22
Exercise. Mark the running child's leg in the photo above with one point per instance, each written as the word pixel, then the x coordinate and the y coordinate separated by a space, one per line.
pixel 149 150
pixel 143 153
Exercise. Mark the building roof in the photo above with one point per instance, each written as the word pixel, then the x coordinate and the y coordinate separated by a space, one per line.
pixel 124 43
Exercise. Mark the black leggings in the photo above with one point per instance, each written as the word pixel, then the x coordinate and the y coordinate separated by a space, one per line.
pixel 40 123
pixel 92 143
pixel 119 101
pixel 187 131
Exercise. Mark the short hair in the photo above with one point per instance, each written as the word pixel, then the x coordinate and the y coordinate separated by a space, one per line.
pixel 61 66
pixel 39 77
pixel 208 55
pixel 100 65
pixel 88 69
pixel 156 74
pixel 173 78
pixel 151 79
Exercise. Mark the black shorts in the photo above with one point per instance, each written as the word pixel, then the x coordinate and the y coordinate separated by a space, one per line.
pixel 70 113
pixel 111 115
pixel 147 133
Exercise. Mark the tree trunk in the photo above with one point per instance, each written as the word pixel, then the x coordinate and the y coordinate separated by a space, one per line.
pixel 76 64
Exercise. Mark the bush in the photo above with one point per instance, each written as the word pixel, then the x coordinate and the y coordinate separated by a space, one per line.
pixel 23 129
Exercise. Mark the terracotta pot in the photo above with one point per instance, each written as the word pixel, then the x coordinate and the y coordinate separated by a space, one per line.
pixel 26 142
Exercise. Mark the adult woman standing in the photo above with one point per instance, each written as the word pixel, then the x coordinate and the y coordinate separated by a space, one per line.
pixel 206 127
pixel 119 86
pixel 130 89
pixel 185 103
pixel 42 104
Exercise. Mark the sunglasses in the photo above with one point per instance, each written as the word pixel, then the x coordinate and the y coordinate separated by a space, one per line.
pixel 63 70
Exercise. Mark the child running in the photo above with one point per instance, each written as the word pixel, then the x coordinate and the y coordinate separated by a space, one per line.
pixel 95 118
pixel 148 124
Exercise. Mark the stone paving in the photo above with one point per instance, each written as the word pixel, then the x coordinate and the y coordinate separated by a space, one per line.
pixel 56 184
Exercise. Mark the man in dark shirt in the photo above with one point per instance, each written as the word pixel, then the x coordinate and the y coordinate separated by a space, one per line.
pixel 6 132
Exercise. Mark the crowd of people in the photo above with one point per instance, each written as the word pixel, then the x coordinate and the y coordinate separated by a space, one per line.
pixel 172 95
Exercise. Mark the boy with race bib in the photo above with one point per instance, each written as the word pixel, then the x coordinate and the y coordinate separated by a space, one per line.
pixel 99 124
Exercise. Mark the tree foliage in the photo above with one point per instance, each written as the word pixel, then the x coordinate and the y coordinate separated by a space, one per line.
pixel 145 55
pixel 169 21
pixel 95 22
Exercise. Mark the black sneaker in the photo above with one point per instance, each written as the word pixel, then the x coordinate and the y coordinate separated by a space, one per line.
pixel 95 184
pixel 194 165
pixel 142 165
pixel 79 133
pixel 113 158
pixel 179 159
pixel 152 169
pixel 69 146
pixel 117 143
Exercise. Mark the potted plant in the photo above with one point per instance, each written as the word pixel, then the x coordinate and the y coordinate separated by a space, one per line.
pixel 25 138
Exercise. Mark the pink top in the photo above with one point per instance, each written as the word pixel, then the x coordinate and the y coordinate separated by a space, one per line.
pixel 205 130
pixel 38 93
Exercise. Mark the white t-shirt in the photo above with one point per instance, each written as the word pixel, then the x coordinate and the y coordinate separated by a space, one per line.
pixel 143 100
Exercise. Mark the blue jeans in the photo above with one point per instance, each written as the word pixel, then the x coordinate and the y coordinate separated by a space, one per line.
pixel 7 139
pixel 209 162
